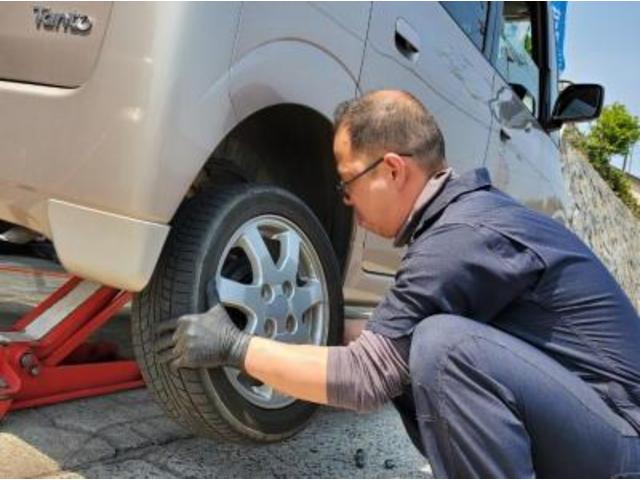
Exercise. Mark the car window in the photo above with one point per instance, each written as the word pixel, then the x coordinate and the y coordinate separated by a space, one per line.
pixel 471 17
pixel 517 51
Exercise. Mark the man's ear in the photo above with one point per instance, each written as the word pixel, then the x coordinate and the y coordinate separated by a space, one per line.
pixel 397 167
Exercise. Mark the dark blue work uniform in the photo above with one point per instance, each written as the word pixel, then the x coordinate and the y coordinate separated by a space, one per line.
pixel 525 352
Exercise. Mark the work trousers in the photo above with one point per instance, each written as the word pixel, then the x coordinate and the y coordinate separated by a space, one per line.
pixel 483 403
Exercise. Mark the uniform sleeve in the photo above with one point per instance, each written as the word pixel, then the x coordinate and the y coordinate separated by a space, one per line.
pixel 458 269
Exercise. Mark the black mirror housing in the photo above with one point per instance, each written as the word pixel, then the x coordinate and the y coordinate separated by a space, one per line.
pixel 577 103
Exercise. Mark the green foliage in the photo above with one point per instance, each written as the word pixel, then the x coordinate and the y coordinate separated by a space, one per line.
pixel 528 44
pixel 614 133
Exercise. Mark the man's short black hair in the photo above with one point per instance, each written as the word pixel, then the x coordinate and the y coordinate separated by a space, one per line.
pixel 396 122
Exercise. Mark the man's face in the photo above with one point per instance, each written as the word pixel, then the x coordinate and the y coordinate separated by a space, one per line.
pixel 377 197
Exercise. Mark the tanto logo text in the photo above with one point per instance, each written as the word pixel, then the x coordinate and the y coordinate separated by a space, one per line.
pixel 70 22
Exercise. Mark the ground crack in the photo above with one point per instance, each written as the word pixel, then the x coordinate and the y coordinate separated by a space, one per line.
pixel 99 435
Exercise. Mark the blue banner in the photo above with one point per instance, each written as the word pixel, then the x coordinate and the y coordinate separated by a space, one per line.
pixel 559 10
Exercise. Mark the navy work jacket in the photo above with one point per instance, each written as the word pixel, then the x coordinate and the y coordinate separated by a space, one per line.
pixel 478 253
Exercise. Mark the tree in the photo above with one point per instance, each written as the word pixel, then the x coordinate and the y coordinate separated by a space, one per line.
pixel 614 133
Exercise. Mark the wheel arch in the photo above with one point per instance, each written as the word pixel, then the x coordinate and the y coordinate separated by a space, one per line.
pixel 283 133
pixel 290 146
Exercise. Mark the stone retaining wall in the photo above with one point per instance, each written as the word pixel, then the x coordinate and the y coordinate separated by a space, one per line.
pixel 604 222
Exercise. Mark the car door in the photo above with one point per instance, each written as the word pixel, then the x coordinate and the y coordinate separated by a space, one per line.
pixel 523 158
pixel 436 52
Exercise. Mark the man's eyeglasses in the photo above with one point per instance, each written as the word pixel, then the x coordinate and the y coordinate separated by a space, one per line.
pixel 342 187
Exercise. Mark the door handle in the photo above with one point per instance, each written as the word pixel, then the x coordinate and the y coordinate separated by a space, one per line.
pixel 504 135
pixel 406 39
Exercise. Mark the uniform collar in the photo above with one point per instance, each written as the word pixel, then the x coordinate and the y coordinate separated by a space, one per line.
pixel 431 189
pixel 453 186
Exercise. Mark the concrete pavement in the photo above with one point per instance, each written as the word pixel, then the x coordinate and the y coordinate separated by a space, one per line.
pixel 126 435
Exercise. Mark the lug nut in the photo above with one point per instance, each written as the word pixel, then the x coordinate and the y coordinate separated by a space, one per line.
pixel 291 324
pixel 269 328
pixel 266 293
pixel 287 289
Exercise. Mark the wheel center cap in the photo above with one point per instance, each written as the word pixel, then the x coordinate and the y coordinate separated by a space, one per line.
pixel 278 308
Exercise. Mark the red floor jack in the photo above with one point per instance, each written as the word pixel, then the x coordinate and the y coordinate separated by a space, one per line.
pixel 44 357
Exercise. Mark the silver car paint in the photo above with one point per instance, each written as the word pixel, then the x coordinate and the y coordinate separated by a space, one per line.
pixel 119 152
pixel 296 53
pixel 31 53
pixel 130 140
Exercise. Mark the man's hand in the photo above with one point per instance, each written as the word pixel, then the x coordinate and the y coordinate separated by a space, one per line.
pixel 205 340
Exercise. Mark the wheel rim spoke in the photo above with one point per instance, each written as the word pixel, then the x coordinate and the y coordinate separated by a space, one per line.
pixel 306 297
pixel 268 393
pixel 289 261
pixel 253 244
pixel 263 390
pixel 239 295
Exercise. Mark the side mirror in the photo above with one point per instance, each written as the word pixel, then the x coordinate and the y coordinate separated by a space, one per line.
pixel 577 103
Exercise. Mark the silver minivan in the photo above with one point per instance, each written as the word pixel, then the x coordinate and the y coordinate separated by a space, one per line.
pixel 184 150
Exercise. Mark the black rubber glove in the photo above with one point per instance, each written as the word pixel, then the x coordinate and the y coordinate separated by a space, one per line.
pixel 205 340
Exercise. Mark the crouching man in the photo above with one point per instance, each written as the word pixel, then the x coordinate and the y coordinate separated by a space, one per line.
pixel 505 344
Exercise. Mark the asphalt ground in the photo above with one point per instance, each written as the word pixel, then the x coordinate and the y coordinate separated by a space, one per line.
pixel 126 435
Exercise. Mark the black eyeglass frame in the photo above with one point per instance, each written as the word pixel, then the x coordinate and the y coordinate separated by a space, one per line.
pixel 341 186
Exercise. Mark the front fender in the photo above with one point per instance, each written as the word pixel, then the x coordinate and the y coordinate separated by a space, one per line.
pixel 292 72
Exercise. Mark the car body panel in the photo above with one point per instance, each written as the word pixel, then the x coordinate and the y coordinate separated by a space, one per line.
pixel 112 249
pixel 113 142
pixel 131 140
pixel 321 44
pixel 36 46
pixel 133 137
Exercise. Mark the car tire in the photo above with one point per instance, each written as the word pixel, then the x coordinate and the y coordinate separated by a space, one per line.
pixel 220 236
